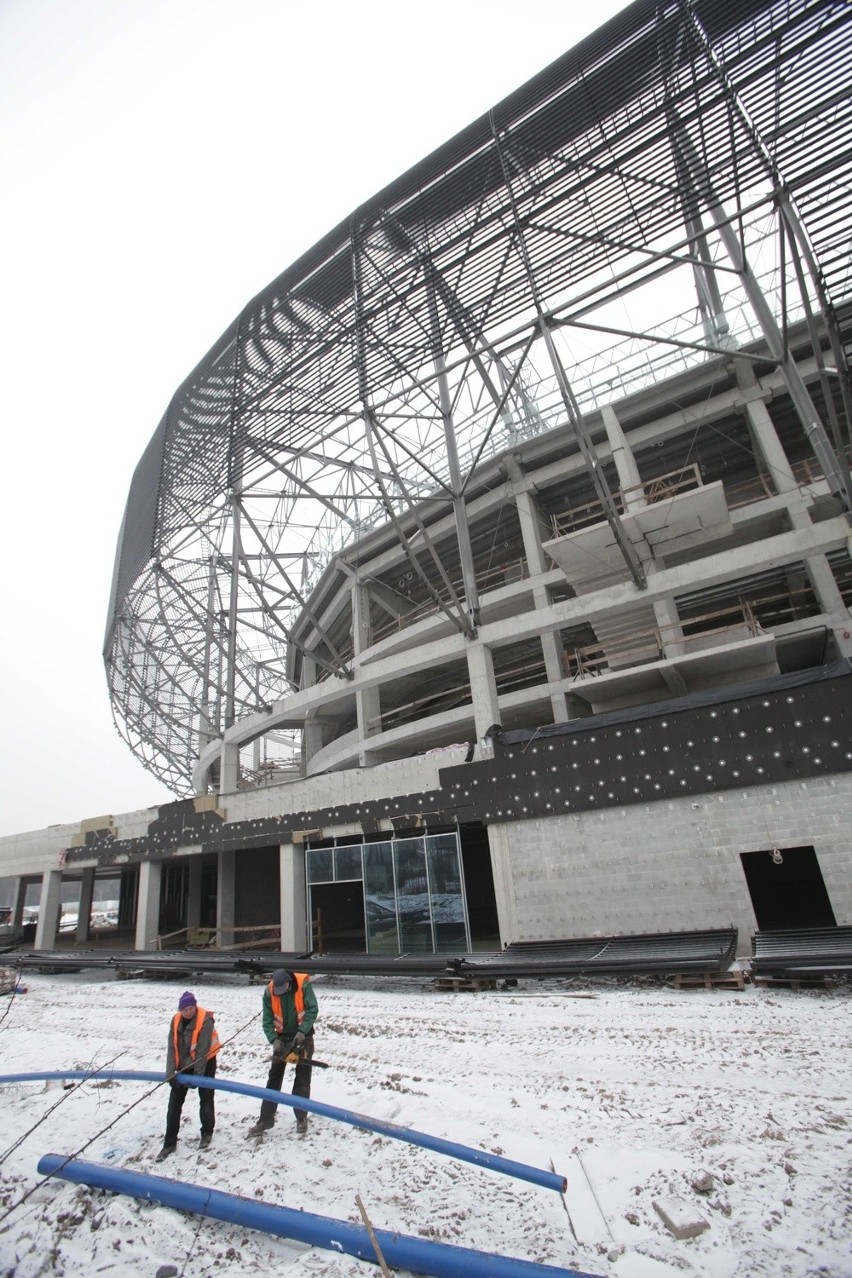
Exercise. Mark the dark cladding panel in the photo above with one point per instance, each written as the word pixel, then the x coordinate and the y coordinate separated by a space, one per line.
pixel 797 733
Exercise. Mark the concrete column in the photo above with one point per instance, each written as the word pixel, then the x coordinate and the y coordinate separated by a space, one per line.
pixel 84 909
pixel 367 703
pixel 230 769
pixel 312 733
pixel 530 521
pixel 483 687
pixel 767 444
pixel 295 927
pixel 148 905
pixel 48 910
pixel 19 901
pixel 193 893
pixel 629 479
pixel 312 741
pixel 504 884
pixel 825 588
pixel 551 645
pixel 668 621
pixel 226 898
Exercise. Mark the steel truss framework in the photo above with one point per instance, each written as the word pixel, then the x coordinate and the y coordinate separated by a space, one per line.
pixel 674 187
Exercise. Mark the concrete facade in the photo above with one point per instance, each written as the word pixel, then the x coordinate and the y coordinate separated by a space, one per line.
pixel 625 868
pixel 673 866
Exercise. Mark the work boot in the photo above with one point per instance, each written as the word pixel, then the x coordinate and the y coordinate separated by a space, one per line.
pixel 164 1153
pixel 259 1128
pixel 302 1125
pixel 206 1138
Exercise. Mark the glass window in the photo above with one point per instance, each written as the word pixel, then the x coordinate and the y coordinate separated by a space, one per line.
pixel 412 889
pixel 347 862
pixel 380 899
pixel 320 865
pixel 446 893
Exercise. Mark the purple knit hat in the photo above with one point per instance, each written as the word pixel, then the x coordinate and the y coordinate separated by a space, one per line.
pixel 187 999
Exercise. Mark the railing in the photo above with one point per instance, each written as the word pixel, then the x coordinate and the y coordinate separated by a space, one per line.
pixel 449 695
pixel 268 774
pixel 651 645
pixel 660 488
pixel 526 674
pixel 749 491
pixel 491 579
pixel 787 606
pixel 261 936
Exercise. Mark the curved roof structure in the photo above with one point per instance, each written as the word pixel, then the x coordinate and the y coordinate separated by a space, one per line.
pixel 673 189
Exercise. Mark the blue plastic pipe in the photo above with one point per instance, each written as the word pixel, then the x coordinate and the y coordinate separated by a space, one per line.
pixel 399 1250
pixel 505 1166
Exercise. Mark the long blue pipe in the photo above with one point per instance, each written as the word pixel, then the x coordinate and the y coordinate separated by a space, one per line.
pixel 505 1166
pixel 416 1254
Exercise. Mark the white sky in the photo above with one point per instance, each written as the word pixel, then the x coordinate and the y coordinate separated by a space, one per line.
pixel 163 160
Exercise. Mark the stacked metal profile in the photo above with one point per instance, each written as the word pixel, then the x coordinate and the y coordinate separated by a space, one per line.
pixel 659 953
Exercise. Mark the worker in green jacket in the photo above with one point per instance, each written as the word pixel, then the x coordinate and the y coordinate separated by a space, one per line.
pixel 289 1011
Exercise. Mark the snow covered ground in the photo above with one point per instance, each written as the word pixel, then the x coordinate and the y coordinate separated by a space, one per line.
pixel 730 1107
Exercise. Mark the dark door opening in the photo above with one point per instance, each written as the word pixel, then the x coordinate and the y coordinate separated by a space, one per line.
pixel 257 897
pixel 209 893
pixel 337 913
pixel 479 888
pixel 787 889
pixel 174 888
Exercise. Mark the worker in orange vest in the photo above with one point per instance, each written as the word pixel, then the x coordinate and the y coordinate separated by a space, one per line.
pixel 193 1044
pixel 289 1011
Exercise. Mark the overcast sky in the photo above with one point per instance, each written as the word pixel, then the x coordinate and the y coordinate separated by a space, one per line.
pixel 162 161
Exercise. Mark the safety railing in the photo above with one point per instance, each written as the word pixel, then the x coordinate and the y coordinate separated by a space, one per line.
pixel 658 642
pixel 503 574
pixel 257 936
pixel 649 492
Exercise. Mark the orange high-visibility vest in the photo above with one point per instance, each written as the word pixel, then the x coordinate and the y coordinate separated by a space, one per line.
pixel 200 1014
pixel 298 1001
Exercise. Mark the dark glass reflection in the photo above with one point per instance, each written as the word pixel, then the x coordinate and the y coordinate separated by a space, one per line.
pixel 380 899
pixel 412 889
pixel 347 862
pixel 320 865
pixel 445 893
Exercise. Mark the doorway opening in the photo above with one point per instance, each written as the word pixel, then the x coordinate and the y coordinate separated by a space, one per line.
pixel 787 889
pixel 337 912
pixel 479 888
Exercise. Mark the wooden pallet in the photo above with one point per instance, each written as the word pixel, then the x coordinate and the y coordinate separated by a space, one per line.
pixel 709 981
pixel 804 982
pixel 464 984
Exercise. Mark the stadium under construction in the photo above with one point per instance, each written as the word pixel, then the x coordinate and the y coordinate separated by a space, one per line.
pixel 489 581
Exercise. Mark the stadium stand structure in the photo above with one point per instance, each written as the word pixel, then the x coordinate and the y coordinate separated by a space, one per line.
pixel 489 580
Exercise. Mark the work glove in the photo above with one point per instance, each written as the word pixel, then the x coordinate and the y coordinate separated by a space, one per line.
pixel 298 1041
pixel 279 1050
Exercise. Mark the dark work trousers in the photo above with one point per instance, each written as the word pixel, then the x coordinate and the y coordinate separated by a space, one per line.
pixel 301 1082
pixel 206 1105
